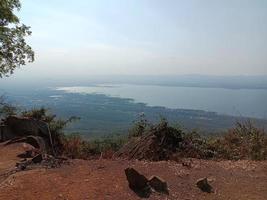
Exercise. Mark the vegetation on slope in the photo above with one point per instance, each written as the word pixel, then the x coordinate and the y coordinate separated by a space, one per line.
pixel 244 141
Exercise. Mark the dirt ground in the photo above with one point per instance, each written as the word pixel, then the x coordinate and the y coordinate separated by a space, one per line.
pixel 105 179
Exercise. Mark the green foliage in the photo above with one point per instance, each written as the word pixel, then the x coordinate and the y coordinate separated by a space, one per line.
pixel 44 115
pixel 75 147
pixel 14 51
pixel 245 141
pixel 110 142
pixel 193 145
pixel 140 126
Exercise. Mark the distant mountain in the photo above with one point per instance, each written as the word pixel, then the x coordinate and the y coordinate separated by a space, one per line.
pixel 229 82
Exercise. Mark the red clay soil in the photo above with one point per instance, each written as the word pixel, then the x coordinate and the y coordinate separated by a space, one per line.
pixel 105 179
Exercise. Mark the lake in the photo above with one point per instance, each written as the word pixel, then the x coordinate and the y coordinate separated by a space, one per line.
pixel 237 102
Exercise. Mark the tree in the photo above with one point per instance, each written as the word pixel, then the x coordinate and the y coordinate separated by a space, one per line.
pixel 14 51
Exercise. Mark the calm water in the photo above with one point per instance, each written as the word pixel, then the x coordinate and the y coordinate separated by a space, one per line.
pixel 243 102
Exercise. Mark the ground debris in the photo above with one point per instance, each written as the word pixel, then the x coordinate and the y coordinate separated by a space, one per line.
pixel 41 160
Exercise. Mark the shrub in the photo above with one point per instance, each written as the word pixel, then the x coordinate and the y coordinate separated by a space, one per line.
pixel 195 146
pixel 244 141
pixel 139 127
pixel 72 146
pixel 75 147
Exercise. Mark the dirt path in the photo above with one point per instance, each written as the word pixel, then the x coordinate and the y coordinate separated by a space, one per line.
pixel 105 179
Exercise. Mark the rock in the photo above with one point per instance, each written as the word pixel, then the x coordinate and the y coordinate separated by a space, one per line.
pixel 26 129
pixel 38 143
pixel 135 179
pixel 21 166
pixel 37 159
pixel 138 182
pixel 204 185
pixel 158 184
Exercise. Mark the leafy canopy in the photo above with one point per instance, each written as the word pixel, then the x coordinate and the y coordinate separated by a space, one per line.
pixel 14 51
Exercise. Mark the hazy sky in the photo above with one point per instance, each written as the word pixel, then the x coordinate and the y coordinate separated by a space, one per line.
pixel 85 37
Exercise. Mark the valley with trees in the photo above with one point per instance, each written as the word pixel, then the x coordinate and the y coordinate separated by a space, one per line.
pixel 56 144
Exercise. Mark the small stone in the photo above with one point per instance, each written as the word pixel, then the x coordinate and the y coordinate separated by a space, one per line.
pixel 21 166
pixel 204 185
pixel 158 184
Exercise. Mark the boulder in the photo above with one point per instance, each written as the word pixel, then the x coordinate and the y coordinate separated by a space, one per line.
pixel 37 142
pixel 135 179
pixel 158 184
pixel 204 185
pixel 137 182
pixel 24 129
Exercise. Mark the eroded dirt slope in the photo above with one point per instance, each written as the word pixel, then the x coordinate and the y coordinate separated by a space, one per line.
pixel 105 179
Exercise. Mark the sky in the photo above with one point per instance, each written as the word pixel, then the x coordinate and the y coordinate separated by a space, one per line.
pixel 146 37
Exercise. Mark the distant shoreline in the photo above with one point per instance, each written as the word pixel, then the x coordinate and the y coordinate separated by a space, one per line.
pixel 238 103
pixel 199 81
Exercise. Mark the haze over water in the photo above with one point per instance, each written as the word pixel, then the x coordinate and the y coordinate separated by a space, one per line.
pixel 238 102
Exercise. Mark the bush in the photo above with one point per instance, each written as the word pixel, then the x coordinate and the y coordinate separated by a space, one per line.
pixel 72 146
pixel 75 147
pixel 244 141
pixel 139 127
pixel 195 146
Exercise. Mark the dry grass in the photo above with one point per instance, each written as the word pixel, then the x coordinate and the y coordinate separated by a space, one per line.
pixel 244 141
